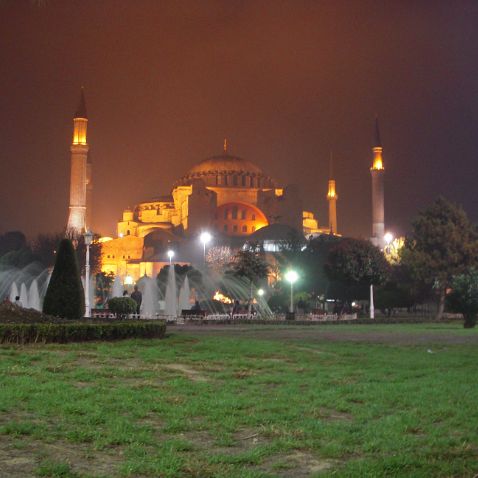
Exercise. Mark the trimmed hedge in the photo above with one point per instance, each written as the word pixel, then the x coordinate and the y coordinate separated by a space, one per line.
pixel 122 306
pixel 80 331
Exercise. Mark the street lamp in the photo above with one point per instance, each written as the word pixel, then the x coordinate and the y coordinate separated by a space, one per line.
pixel 291 277
pixel 388 237
pixel 205 238
pixel 88 240
pixel 260 292
pixel 170 255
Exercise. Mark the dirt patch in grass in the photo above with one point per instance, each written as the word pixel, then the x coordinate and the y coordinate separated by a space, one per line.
pixel 331 414
pixel 298 464
pixel 22 458
pixel 190 373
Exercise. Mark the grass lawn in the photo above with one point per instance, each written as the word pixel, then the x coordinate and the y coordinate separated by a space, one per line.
pixel 245 402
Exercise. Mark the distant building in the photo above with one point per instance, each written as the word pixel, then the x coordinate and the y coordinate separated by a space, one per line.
pixel 227 195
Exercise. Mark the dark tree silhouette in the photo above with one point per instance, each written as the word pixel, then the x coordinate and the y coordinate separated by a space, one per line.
pixel 65 296
pixel 443 244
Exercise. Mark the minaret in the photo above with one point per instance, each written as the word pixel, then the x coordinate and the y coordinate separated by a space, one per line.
pixel 332 198
pixel 378 206
pixel 78 177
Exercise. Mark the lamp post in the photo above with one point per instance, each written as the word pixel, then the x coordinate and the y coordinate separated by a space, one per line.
pixel 88 240
pixel 372 307
pixel 205 238
pixel 170 255
pixel 291 277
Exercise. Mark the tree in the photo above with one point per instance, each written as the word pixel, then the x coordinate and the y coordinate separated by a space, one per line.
pixel 64 296
pixel 250 266
pixel 45 247
pixel 356 263
pixel 464 297
pixel 12 241
pixel 104 282
pixel 399 291
pixel 443 244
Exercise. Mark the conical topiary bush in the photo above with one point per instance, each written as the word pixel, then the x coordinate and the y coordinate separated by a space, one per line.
pixel 65 296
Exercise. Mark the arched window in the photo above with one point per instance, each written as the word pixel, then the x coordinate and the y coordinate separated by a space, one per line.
pixel 243 180
pixel 243 214
pixel 226 213
pixel 234 180
pixel 253 217
pixel 128 232
pixel 225 227
pixel 244 228
pixel 234 228
pixel 253 228
pixel 234 212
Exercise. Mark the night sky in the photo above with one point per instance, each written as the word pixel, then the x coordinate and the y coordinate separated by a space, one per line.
pixel 284 81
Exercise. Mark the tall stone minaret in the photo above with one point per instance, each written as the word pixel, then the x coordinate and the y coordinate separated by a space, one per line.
pixel 332 199
pixel 79 171
pixel 378 205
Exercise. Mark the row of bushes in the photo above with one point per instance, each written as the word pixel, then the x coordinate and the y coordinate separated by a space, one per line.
pixel 80 331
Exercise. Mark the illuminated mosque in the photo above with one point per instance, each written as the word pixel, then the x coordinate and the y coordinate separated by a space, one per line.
pixel 229 196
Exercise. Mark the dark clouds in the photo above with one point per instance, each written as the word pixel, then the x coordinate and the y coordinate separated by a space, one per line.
pixel 286 82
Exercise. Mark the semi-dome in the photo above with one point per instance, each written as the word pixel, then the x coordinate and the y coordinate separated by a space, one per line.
pixel 226 170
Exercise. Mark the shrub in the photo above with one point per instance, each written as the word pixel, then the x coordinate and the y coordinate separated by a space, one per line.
pixel 69 331
pixel 64 296
pixel 464 297
pixel 122 306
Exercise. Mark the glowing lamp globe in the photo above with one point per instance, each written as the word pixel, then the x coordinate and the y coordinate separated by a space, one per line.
pixel 205 237
pixel 88 238
pixel 291 276
pixel 260 292
pixel 170 254
pixel 388 237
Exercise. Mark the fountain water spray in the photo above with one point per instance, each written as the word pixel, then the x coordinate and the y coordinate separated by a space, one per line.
pixel 34 296
pixel 184 294
pixel 171 299
pixel 13 292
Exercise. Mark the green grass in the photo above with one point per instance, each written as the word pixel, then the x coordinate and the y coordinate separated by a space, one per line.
pixel 244 405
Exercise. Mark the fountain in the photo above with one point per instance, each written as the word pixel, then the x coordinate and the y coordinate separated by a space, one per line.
pixel 149 305
pixel 117 290
pixel 34 282
pixel 34 296
pixel 24 295
pixel 171 300
pixel 184 294
pixel 13 292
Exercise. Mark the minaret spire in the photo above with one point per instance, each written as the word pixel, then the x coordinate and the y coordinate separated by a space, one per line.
pixel 80 174
pixel 332 198
pixel 81 110
pixel 378 141
pixel 225 145
pixel 378 204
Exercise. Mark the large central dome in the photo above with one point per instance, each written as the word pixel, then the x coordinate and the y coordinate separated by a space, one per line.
pixel 225 163
pixel 226 170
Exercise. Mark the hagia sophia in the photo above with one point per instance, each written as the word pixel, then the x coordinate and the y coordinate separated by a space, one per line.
pixel 229 196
